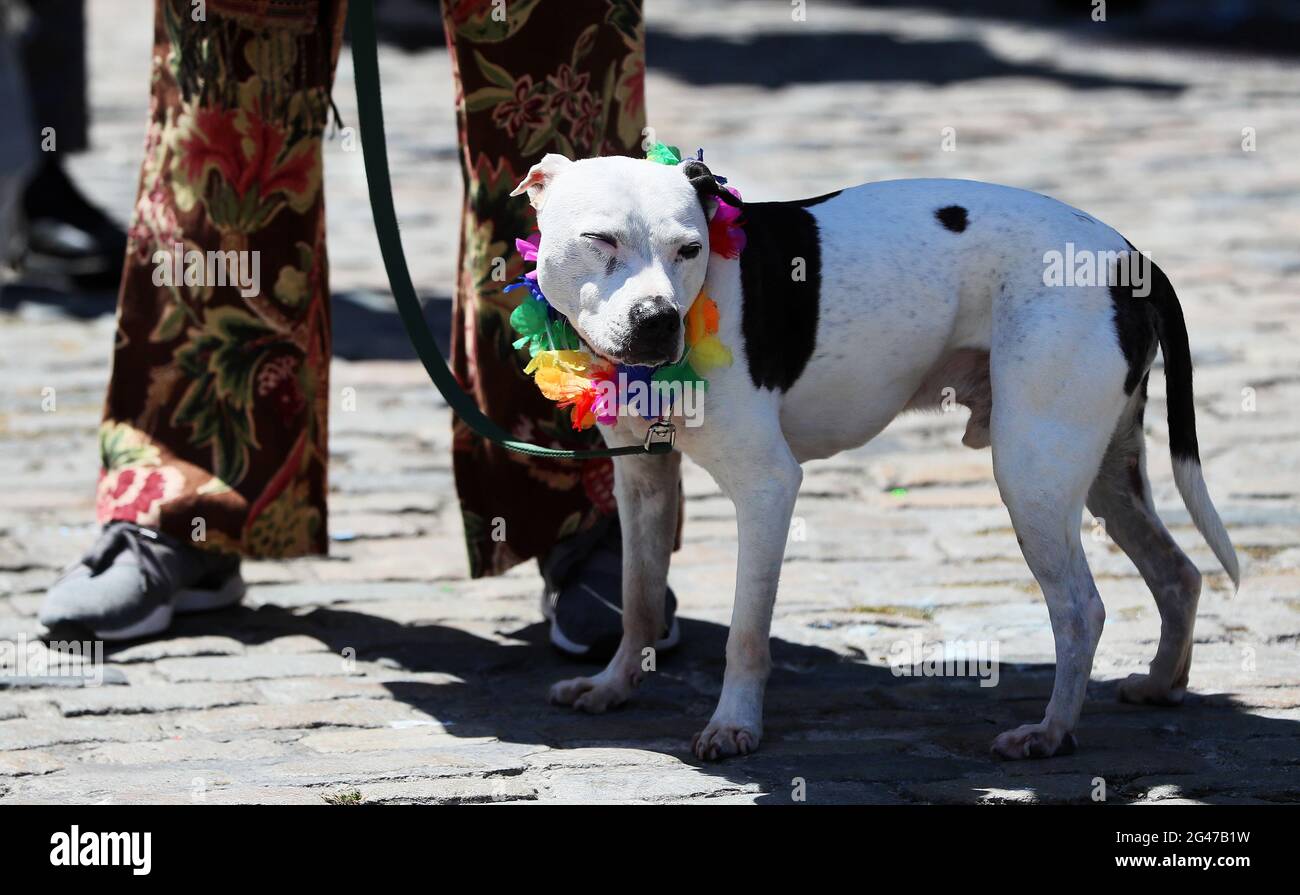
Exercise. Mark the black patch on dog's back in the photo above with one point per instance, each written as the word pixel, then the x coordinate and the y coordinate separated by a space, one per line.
pixel 952 217
pixel 817 200
pixel 779 313
pixel 1135 326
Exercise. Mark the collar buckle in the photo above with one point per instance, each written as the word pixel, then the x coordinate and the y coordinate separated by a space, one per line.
pixel 661 437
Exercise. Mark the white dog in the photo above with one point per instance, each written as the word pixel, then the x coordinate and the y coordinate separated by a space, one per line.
pixel 842 312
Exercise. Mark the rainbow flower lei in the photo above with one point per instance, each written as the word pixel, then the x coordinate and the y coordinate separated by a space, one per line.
pixel 571 376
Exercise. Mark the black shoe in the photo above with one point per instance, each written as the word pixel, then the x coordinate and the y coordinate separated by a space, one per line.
pixel 68 236
pixel 583 596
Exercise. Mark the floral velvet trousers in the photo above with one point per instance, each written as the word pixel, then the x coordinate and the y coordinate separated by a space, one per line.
pixel 215 427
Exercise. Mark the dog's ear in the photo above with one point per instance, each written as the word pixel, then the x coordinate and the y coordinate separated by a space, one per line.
pixel 540 177
pixel 706 187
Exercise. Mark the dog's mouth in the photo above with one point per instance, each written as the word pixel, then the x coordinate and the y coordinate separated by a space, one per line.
pixel 630 357
pixel 641 359
pixel 647 360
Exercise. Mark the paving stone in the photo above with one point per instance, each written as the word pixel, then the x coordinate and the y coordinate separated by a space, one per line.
pixel 1028 789
pixel 203 645
pixel 28 761
pixel 429 736
pixel 308 715
pixel 1272 784
pixel 379 686
pixel 179 749
pixel 34 733
pixel 250 667
pixel 149 698
pixel 454 791
pixel 462 758
pixel 636 784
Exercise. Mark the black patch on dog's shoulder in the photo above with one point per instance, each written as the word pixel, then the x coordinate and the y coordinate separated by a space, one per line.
pixel 953 217
pixel 779 312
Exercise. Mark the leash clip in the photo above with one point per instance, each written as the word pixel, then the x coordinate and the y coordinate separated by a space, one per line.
pixel 660 437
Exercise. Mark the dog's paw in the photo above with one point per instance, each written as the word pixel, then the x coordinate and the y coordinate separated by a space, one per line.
pixel 722 740
pixel 592 694
pixel 1033 741
pixel 1140 689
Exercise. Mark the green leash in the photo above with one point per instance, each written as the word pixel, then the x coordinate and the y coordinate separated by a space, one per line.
pixel 365 60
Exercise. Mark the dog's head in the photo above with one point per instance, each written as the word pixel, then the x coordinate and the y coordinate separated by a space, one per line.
pixel 624 248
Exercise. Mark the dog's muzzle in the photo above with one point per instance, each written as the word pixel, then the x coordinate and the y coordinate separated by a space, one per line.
pixel 655 331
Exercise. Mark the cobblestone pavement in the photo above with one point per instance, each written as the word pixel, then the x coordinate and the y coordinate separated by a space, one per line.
pixel 383 671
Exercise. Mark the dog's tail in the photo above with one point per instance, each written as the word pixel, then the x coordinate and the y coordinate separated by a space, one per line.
pixel 1183 448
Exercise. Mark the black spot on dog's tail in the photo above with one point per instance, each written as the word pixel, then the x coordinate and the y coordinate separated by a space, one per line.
pixel 953 217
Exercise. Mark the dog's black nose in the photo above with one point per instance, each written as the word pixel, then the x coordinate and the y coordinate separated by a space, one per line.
pixel 655 327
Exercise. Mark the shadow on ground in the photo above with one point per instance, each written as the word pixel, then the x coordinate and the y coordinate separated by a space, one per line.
pixel 852 731
pixel 1249 26
pixel 79 304
pixel 1257 27
pixel 819 57
pixel 367 327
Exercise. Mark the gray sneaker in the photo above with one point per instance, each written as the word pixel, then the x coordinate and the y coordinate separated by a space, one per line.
pixel 134 579
pixel 583 595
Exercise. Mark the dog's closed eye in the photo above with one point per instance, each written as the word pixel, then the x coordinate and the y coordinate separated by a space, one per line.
pixel 603 239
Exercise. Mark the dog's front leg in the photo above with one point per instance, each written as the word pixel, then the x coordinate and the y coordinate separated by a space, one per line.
pixel 764 489
pixel 647 491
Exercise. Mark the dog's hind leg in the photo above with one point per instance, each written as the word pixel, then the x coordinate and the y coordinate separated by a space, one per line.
pixel 1121 498
pixel 1057 378
pixel 646 489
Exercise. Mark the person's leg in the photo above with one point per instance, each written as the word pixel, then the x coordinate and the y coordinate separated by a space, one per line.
pixel 54 56
pixel 16 144
pixel 214 432
pixel 65 234
pixel 563 77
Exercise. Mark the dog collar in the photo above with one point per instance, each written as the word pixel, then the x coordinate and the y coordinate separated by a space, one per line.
pixel 590 386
